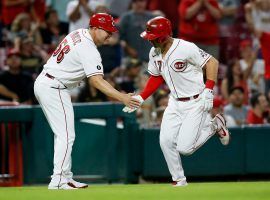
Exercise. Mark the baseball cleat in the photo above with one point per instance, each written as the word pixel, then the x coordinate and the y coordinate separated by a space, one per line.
pixel 64 186
pixel 77 184
pixel 222 130
pixel 179 183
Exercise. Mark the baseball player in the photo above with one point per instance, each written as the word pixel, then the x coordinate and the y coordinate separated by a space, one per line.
pixel 180 64
pixel 75 58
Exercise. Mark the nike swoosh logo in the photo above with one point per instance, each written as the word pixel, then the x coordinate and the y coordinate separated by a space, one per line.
pixel 223 132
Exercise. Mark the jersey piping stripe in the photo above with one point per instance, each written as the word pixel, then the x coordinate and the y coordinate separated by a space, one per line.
pixel 169 67
pixel 209 56
pixel 66 135
pixel 153 74
pixel 95 73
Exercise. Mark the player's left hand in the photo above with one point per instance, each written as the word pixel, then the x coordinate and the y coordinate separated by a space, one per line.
pixel 207 98
pixel 130 110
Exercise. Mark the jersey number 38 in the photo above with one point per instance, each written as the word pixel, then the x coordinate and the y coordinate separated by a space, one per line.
pixel 62 49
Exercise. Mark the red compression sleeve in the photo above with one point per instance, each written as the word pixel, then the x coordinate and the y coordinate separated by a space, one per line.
pixel 152 85
pixel 210 84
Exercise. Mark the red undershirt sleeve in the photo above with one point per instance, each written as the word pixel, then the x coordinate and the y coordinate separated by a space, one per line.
pixel 152 85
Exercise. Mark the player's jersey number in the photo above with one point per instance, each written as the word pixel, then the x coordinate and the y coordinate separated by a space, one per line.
pixel 62 49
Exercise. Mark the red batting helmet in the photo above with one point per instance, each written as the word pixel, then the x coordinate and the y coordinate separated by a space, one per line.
pixel 103 21
pixel 157 28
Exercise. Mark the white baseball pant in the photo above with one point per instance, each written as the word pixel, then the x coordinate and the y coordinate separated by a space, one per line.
pixel 57 107
pixel 184 129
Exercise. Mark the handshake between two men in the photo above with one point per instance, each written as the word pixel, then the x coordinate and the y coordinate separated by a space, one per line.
pixel 205 98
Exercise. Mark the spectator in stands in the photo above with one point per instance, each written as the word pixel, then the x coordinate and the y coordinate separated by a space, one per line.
pixel 16 85
pixel 22 27
pixel 38 9
pixel 218 108
pixel 118 7
pixel 60 7
pixel 89 93
pixel 161 98
pixel 169 8
pixel 258 17
pixel 228 9
pixel 158 115
pixel 54 31
pixel 32 57
pixel 12 8
pixel 199 24
pixel 132 23
pixel 1 34
pixel 249 57
pixel 78 12
pixel 236 108
pixel 259 111
pixel 235 77
pixel 227 29
pixel 133 68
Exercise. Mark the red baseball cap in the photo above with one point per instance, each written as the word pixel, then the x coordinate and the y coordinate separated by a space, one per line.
pixel 158 27
pixel 245 43
pixel 103 21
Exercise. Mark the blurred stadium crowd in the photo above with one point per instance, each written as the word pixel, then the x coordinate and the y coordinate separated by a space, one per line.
pixel 236 32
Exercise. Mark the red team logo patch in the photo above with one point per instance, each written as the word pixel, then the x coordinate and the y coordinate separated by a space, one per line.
pixel 179 65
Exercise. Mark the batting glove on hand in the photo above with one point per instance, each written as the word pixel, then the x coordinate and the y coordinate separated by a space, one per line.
pixel 207 98
pixel 130 110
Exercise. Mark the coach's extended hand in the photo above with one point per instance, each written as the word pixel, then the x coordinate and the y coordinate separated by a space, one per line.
pixel 131 102
pixel 130 110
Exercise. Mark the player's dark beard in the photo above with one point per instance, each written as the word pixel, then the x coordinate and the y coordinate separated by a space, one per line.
pixel 155 43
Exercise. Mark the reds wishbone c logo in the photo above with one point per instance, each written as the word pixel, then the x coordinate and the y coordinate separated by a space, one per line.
pixel 179 65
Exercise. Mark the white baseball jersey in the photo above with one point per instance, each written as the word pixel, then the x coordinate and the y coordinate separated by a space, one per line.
pixel 184 128
pixel 261 19
pixel 181 67
pixel 75 58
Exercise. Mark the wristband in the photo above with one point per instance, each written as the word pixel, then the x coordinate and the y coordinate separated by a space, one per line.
pixel 210 84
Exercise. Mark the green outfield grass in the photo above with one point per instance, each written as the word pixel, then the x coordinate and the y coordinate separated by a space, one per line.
pixel 194 191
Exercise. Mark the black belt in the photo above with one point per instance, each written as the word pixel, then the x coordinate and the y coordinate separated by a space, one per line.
pixel 188 98
pixel 50 76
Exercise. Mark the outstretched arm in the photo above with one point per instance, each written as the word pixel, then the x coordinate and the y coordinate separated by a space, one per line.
pixel 214 12
pixel 248 15
pixel 152 85
pixel 7 93
pixel 98 82
pixel 193 10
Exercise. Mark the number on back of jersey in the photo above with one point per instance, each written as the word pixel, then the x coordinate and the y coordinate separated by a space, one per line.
pixel 62 49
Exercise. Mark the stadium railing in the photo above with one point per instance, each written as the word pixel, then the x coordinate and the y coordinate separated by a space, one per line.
pixel 99 152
